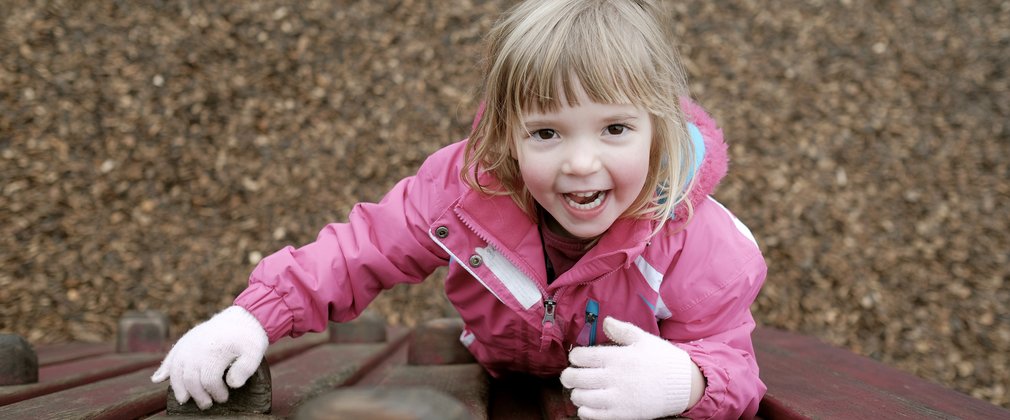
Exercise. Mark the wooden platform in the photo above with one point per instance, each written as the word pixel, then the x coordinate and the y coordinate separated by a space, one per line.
pixel 366 369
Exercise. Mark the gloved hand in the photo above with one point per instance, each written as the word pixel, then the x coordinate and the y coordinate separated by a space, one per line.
pixel 198 360
pixel 644 376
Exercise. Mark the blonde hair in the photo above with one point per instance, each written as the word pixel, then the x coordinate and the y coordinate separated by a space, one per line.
pixel 618 52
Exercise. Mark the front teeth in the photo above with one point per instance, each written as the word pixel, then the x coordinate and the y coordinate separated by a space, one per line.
pixel 590 205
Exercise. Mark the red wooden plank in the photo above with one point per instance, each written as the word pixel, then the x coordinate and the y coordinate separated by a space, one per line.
pixel 288 347
pixel 60 353
pixel 398 357
pixel 325 368
pixel 807 378
pixel 62 376
pixel 123 397
pixel 397 338
pixel 98 367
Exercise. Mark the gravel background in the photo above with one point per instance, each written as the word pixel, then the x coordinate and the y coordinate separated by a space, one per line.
pixel 151 153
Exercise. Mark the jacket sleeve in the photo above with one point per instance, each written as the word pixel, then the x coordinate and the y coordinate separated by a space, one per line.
pixel 294 291
pixel 715 283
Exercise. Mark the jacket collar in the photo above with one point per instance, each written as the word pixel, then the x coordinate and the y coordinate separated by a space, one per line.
pixel 499 221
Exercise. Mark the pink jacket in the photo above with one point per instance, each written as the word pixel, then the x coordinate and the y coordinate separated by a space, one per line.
pixel 692 286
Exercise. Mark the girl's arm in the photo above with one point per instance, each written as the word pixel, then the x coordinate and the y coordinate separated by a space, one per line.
pixel 294 291
pixel 716 333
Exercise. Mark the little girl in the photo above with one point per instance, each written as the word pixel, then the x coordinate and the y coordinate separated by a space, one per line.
pixel 576 214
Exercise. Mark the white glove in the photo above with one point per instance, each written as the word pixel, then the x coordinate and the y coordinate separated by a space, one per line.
pixel 198 360
pixel 644 376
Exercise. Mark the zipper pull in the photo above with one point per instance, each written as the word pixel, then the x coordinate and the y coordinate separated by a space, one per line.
pixel 549 305
pixel 592 313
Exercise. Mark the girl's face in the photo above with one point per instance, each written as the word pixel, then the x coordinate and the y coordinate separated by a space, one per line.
pixel 585 164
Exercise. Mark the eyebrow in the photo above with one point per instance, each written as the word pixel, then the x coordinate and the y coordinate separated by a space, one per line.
pixel 621 117
pixel 537 123
pixel 616 118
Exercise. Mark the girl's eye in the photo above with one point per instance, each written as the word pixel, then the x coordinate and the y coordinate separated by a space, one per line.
pixel 616 129
pixel 544 134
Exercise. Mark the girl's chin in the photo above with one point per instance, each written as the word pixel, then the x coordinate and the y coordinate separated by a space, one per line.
pixel 584 230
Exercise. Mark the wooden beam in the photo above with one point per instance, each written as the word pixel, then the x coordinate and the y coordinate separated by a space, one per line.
pixel 810 379
pixel 58 377
pixel 122 397
pixel 66 352
pixel 324 368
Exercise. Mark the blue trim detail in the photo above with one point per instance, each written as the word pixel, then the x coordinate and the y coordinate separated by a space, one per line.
pixel 698 141
pixel 699 149
pixel 647 303
pixel 592 314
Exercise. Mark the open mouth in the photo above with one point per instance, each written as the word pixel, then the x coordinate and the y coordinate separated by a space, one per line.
pixel 585 200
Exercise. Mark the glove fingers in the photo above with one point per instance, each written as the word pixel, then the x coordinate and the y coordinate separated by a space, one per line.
pixel 191 378
pixel 594 357
pixel 621 332
pixel 592 398
pixel 212 379
pixel 159 375
pixel 587 413
pixel 178 386
pixel 243 368
pixel 162 373
pixel 585 378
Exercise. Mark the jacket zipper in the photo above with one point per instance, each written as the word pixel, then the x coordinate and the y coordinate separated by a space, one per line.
pixel 592 313
pixel 549 301
pixel 548 323
pixel 549 305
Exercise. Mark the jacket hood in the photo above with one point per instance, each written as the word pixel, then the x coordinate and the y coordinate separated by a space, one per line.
pixel 714 160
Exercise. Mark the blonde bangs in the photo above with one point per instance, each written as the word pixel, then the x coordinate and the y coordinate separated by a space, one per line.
pixel 617 52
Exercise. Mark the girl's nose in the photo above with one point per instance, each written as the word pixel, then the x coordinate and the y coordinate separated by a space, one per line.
pixel 583 159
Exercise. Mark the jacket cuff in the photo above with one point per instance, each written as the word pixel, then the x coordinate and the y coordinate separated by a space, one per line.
pixel 715 383
pixel 677 386
pixel 269 308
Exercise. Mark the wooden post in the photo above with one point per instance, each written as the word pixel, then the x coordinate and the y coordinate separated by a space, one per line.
pixel 18 362
pixel 384 403
pixel 367 328
pixel 436 342
pixel 142 331
pixel 252 398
